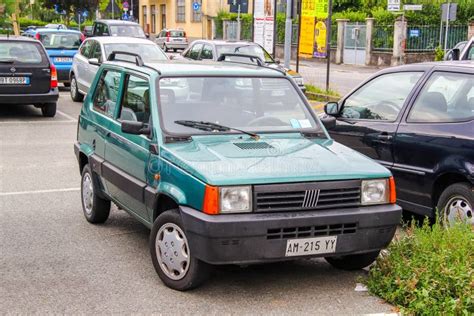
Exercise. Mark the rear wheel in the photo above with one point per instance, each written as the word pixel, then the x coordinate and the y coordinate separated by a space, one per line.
pixel 456 204
pixel 76 96
pixel 165 48
pixel 353 262
pixel 172 258
pixel 96 210
pixel 49 109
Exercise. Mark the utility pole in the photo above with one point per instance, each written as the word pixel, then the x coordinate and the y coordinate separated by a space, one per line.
pixel 448 13
pixel 288 31
pixel 328 44
pixel 113 9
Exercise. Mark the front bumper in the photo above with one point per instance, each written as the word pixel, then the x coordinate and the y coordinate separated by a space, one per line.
pixel 20 99
pixel 251 238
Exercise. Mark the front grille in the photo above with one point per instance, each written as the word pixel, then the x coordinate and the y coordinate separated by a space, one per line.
pixel 307 196
pixel 311 231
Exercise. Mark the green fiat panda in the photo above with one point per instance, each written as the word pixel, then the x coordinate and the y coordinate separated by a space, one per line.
pixel 226 164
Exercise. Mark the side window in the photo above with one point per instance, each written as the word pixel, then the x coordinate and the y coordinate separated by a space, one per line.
pixel 136 100
pixel 105 30
pixel 106 93
pixel 86 49
pixel 96 51
pixel 381 98
pixel 194 52
pixel 97 29
pixel 470 53
pixel 446 97
pixel 206 52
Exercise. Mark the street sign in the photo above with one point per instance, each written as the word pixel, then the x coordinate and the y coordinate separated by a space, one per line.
pixel 125 16
pixel 452 12
pixel 393 5
pixel 413 7
pixel 85 13
pixel 415 33
pixel 196 6
pixel 125 5
pixel 244 6
pixel 79 17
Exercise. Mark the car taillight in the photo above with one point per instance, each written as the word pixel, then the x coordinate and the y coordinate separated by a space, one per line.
pixel 37 36
pixel 167 36
pixel 54 77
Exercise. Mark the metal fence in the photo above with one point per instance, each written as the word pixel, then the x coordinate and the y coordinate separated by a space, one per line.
pixel 420 38
pixel 426 38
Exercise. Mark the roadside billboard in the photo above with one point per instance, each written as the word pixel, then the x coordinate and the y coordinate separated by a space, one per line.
pixel 313 39
pixel 263 23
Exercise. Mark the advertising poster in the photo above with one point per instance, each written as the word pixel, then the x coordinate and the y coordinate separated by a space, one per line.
pixel 307 27
pixel 263 23
pixel 320 29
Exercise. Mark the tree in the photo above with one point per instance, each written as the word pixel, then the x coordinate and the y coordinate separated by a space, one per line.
pixel 71 6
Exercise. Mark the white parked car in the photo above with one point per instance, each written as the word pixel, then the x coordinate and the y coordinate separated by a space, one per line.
pixel 95 50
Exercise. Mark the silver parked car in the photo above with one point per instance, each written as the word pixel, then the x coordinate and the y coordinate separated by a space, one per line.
pixel 172 39
pixel 95 50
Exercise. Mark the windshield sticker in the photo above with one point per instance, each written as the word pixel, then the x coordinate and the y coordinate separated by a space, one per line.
pixel 295 123
pixel 305 123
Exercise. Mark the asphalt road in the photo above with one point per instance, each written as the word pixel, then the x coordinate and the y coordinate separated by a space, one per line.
pixel 52 260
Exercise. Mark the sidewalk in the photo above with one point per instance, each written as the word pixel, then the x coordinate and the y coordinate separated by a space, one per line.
pixel 343 78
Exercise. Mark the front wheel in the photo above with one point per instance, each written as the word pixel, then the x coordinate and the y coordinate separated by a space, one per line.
pixel 172 258
pixel 48 109
pixel 456 204
pixel 353 262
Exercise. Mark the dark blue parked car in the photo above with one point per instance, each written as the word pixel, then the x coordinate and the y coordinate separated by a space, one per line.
pixel 61 46
pixel 417 120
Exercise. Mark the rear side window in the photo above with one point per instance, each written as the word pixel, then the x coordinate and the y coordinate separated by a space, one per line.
pixel 106 94
pixel 21 52
pixel 446 97
pixel 60 40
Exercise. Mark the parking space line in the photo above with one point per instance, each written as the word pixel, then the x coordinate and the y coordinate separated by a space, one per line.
pixel 66 115
pixel 40 191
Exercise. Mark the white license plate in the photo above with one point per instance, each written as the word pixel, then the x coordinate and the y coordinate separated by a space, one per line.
pixel 310 246
pixel 63 59
pixel 14 80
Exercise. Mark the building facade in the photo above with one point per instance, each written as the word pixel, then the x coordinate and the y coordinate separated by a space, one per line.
pixel 155 15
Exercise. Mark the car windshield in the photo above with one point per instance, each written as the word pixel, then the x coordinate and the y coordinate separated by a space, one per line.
pixel 127 30
pixel 148 52
pixel 20 52
pixel 246 49
pixel 250 104
pixel 60 40
pixel 176 33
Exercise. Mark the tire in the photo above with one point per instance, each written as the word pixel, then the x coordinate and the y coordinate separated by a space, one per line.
pixel 457 203
pixel 67 84
pixel 96 210
pixel 165 49
pixel 175 50
pixel 193 271
pixel 76 96
pixel 353 262
pixel 49 109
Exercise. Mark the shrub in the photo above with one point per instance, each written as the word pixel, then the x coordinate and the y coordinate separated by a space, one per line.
pixel 429 271
pixel 439 54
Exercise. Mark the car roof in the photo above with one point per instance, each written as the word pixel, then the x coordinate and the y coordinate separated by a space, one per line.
pixel 428 65
pixel 188 68
pixel 117 22
pixel 49 30
pixel 223 42
pixel 17 38
pixel 120 40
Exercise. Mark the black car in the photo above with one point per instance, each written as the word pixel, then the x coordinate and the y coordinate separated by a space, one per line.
pixel 212 50
pixel 88 31
pixel 26 74
pixel 117 28
pixel 417 120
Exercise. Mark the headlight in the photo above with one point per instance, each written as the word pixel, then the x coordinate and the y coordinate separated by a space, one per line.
pixel 375 192
pixel 299 80
pixel 235 199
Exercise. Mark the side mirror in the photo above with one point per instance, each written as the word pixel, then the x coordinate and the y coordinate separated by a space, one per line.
pixel 136 128
pixel 332 108
pixel 455 54
pixel 94 61
pixel 328 121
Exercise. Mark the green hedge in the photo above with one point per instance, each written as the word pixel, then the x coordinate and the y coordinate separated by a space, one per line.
pixel 245 26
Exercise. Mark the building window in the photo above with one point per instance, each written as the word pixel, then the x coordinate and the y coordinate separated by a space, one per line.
pixel 180 11
pixel 153 19
pixel 196 14
pixel 145 21
pixel 163 16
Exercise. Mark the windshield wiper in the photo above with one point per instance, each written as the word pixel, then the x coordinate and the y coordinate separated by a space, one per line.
pixel 7 61
pixel 211 127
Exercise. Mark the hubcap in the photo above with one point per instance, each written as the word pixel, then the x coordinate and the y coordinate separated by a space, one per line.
pixel 459 209
pixel 73 87
pixel 87 193
pixel 172 251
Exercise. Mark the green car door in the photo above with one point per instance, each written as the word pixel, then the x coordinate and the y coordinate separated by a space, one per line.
pixel 127 155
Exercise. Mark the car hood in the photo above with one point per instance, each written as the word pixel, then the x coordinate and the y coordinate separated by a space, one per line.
pixel 235 160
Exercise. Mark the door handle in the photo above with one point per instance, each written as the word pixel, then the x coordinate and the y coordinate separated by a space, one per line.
pixel 384 136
